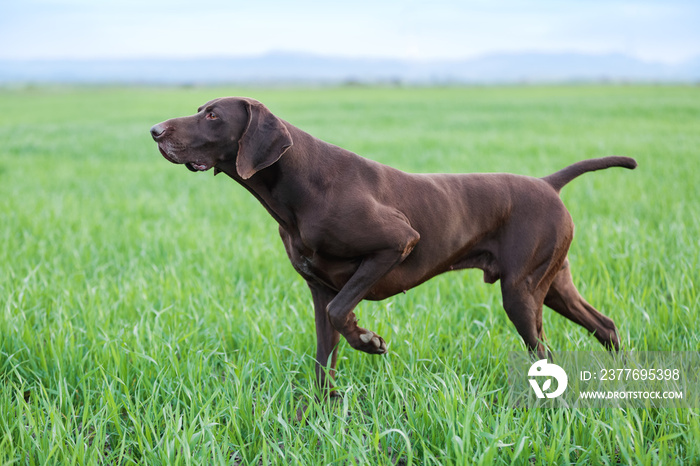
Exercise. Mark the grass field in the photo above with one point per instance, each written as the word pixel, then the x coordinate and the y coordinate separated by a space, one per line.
pixel 150 315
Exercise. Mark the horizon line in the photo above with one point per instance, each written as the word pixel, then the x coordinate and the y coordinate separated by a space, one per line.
pixel 310 54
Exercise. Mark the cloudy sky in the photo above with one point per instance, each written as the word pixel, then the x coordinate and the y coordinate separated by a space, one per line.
pixel 663 30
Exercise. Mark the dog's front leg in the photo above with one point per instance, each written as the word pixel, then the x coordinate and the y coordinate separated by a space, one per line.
pixel 374 266
pixel 327 338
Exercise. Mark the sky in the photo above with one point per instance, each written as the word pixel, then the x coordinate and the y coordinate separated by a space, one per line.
pixel 665 31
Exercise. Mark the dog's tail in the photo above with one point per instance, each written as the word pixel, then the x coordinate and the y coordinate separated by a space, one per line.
pixel 559 179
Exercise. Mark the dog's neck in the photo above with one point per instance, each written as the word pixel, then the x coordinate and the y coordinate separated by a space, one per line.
pixel 261 186
pixel 283 199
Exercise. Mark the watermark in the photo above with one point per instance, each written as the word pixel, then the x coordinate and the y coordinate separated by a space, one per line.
pixel 542 368
pixel 598 379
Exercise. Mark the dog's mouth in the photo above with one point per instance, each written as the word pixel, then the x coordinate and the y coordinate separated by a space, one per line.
pixel 197 167
pixel 191 166
pixel 164 153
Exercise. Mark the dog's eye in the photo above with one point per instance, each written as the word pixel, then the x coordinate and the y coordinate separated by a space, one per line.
pixel 211 116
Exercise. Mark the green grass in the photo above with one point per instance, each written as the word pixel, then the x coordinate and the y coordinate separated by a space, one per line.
pixel 150 315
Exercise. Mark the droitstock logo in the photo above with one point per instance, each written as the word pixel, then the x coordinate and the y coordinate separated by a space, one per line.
pixel 542 369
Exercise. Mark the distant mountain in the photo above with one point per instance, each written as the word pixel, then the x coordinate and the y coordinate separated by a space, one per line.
pixel 304 68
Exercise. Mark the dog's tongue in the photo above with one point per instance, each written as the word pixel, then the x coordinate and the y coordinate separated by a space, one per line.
pixel 196 167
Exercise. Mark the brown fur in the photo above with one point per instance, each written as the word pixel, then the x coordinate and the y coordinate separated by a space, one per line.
pixel 355 229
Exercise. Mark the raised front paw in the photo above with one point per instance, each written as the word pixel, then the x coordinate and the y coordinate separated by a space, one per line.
pixel 368 341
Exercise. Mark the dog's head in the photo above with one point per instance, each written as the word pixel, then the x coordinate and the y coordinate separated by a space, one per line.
pixel 224 130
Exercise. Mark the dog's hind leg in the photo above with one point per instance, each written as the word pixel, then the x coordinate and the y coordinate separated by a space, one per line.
pixel 525 311
pixel 564 298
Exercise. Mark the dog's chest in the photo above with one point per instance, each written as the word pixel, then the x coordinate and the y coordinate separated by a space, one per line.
pixel 314 266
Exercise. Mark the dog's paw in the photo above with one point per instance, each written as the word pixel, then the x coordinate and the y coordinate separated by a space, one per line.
pixel 369 342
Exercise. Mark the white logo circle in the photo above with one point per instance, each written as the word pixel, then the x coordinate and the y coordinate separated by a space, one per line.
pixel 544 369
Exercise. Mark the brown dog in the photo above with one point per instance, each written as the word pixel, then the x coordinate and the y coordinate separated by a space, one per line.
pixel 356 229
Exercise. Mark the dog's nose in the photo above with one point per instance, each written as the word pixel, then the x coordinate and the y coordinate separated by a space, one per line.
pixel 157 130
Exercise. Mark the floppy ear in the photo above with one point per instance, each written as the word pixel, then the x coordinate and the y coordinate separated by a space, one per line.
pixel 263 142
